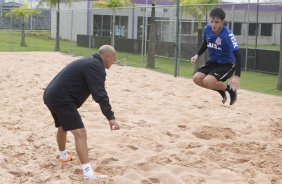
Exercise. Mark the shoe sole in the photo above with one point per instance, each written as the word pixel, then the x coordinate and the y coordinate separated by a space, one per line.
pixel 233 101
pixel 70 158
pixel 97 176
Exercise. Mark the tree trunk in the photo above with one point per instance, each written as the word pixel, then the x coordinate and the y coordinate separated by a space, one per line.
pixel 279 84
pixel 152 39
pixel 57 46
pixel 23 43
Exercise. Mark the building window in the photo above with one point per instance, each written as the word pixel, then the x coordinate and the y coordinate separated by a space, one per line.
pixel 97 26
pixel 252 29
pixel 121 26
pixel 203 25
pixel 237 30
pixel 162 29
pixel 140 27
pixel 186 28
pixel 107 25
pixel 102 25
pixel 266 29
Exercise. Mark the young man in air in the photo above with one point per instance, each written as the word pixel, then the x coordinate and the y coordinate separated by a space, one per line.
pixel 224 59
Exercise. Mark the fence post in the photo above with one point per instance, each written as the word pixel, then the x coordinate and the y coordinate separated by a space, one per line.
pixel 143 35
pixel 247 36
pixel 279 84
pixel 71 31
pixel 257 32
pixel 176 65
pixel 11 33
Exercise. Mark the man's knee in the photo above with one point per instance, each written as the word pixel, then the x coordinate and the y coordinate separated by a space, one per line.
pixel 198 78
pixel 79 133
pixel 209 82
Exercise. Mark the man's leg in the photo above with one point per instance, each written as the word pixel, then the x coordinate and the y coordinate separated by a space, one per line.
pixel 80 138
pixel 211 82
pixel 61 138
pixel 198 78
pixel 61 141
pixel 223 95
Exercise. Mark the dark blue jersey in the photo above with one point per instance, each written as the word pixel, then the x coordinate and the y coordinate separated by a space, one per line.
pixel 220 46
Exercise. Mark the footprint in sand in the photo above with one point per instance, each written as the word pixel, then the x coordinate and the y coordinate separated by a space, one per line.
pixel 109 160
pixel 132 147
pixel 168 133
pixel 209 132
pixel 21 173
pixel 276 128
pixel 182 127
pixel 150 181
pixel 199 106
pixel 160 160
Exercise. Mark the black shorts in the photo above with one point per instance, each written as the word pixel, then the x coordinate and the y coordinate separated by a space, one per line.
pixel 221 72
pixel 66 116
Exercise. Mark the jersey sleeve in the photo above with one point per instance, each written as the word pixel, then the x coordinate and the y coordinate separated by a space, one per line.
pixel 95 77
pixel 232 42
pixel 204 34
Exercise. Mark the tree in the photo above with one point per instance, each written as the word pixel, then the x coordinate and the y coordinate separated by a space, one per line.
pixel 279 84
pixel 198 11
pixel 55 3
pixel 152 38
pixel 22 13
pixel 113 4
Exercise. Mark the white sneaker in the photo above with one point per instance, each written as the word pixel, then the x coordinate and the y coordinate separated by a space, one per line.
pixel 95 176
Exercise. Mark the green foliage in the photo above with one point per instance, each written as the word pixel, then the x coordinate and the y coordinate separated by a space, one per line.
pixel 198 12
pixel 22 12
pixel 111 3
pixel 53 3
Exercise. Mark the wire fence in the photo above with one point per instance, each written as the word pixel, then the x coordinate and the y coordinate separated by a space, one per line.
pixel 257 27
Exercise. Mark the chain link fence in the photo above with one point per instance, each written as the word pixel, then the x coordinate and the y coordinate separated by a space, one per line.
pixel 39 22
pixel 256 26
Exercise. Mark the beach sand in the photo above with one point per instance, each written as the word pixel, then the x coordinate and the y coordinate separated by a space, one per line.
pixel 172 132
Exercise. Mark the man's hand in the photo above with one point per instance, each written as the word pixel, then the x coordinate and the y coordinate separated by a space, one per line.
pixel 194 59
pixel 234 83
pixel 113 124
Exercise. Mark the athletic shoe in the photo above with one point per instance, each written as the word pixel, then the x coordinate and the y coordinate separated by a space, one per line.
pixel 223 95
pixel 70 158
pixel 95 176
pixel 233 96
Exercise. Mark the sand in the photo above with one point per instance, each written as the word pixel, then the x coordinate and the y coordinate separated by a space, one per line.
pixel 172 132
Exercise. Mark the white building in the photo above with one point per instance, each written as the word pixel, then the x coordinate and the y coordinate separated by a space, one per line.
pixel 80 18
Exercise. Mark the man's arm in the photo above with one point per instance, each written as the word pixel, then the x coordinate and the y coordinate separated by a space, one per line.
pixel 234 83
pixel 202 49
pixel 95 77
pixel 237 56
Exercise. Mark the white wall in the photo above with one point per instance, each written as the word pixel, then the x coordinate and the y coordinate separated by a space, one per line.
pixel 74 21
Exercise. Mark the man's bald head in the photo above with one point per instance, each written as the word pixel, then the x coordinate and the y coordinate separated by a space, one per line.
pixel 106 49
pixel 108 54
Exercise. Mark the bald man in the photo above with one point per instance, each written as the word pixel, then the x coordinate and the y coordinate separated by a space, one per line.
pixel 68 91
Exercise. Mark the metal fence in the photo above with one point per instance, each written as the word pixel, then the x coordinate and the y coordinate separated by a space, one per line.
pixel 256 26
pixel 41 21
